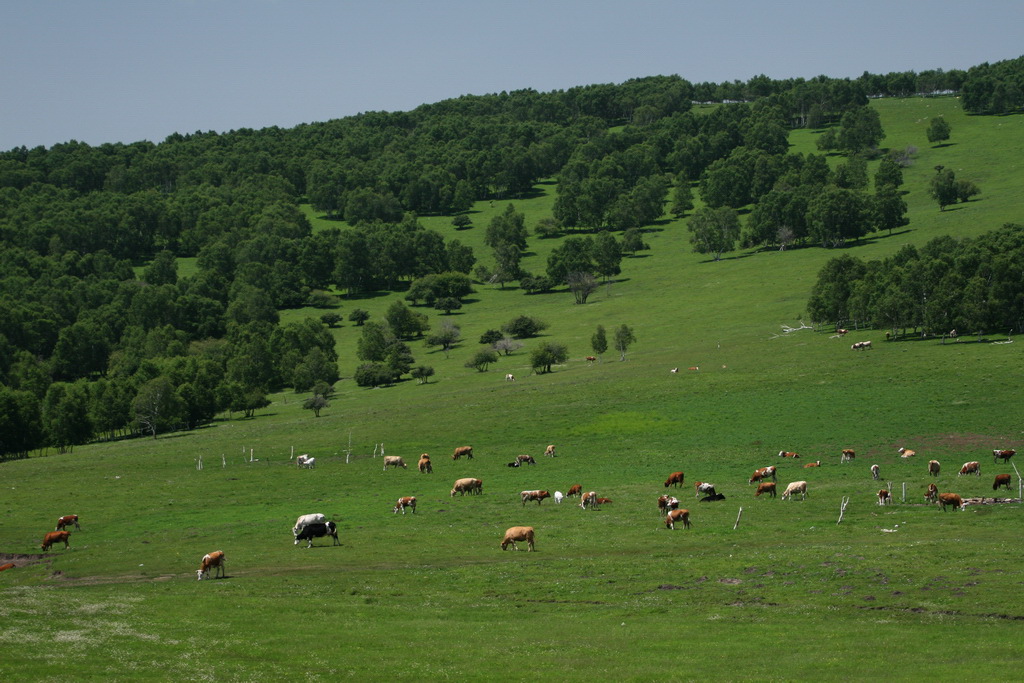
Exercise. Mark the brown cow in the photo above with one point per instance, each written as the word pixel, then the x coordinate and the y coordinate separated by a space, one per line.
pixel 467 485
pixel 788 454
pixel 950 499
pixel 518 533
pixel 55 537
pixel 1002 480
pixel 424 465
pixel 405 502
pixel 534 495
pixel 66 521
pixel 847 455
pixel 604 501
pixel 550 451
pixel 463 451
pixel 765 487
pixel 816 463
pixel 575 491
pixel 525 460
pixel 675 479
pixel 884 498
pixel 1004 454
pixel 5 567
pixel 589 500
pixel 677 516
pixel 972 467
pixel 212 560
pixel 932 496
pixel 762 473
pixel 666 504
pixel 934 467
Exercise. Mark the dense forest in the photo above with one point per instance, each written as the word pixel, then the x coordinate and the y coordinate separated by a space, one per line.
pixel 90 350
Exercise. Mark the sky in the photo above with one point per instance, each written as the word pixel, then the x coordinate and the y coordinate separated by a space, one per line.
pixel 126 70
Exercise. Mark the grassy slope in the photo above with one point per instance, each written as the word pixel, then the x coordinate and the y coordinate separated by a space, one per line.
pixel 609 592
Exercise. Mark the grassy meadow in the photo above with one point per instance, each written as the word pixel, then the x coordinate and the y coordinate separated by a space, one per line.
pixel 903 592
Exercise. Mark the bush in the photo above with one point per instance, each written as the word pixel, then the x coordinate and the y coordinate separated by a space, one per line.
pixel 491 336
pixel 481 359
pixel 373 375
pixel 524 326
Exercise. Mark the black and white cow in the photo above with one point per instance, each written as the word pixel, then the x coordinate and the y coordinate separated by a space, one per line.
pixel 317 530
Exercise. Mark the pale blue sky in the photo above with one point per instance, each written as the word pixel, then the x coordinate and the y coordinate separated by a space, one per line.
pixel 119 70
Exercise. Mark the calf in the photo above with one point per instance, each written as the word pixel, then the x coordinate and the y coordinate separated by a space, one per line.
pixel 394 461
pixel 534 495
pixel 405 502
pixel 461 451
pixel 558 497
pixel 666 504
pixel 766 487
pixel 575 491
pixel 525 460
pixel 816 463
pixel 950 499
pixel 795 488
pixel 932 496
pixel 972 467
pixel 424 465
pixel 550 451
pixel 906 453
pixel 518 533
pixel 874 472
pixel 589 500
pixel 677 516
pixel 847 455
pixel 56 537
pixel 883 497
pixel 467 485
pixel 317 530
pixel 934 467
pixel 214 560
pixel 762 473
pixel 675 479
pixel 1004 454
pixel 66 521
pixel 788 454
pixel 1002 480
pixel 703 487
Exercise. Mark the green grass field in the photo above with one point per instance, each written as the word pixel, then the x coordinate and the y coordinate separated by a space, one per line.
pixel 904 592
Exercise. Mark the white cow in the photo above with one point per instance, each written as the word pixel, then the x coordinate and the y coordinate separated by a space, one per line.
pixel 558 496
pixel 305 461
pixel 795 488
pixel 307 519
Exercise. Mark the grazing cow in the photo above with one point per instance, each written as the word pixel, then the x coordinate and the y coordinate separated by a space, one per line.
pixel 674 371
pixel 534 495
pixel 463 451
pixel 795 488
pixel 518 533
pixel 303 520
pixel 5 567
pixel 424 465
pixel 66 521
pixel 816 463
pixel 1004 454
pixel 604 501
pixel 304 461
pixel 510 377
pixel 712 497
pixel 1001 480
pixel 884 498
pixel 841 332
pixel 589 500
pixel 677 516
pixel 788 454
pixel 575 491
pixel 693 368
pixel 932 495
pixel 906 453
pixel 874 472
pixel 394 461
pixel 467 485
pixel 525 460
pixel 703 487
pixel 317 530
pixel 934 467
pixel 214 560
pixel 591 359
pixel 848 455
pixel 666 504
pixel 405 502
pixel 972 467
pixel 859 346
pixel 55 537
pixel 951 499
pixel 762 473
pixel 550 451
pixel 765 487
pixel 558 497
pixel 675 479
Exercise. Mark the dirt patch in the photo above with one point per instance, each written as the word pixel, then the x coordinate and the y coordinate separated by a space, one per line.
pixel 956 441
pixel 21 560
pixel 990 501
pixel 731 582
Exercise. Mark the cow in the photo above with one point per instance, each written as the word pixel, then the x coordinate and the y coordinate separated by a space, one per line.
pixel 317 530
pixel 884 498
pixel 765 487
pixel 514 463
pixel 906 453
pixel 788 454
pixel 518 533
pixel 591 359
pixel 1001 480
pixel 213 560
pixel 575 491
pixel 55 537
pixel 1004 454
pixel 858 346
pixel 675 479
pixel 67 521
pixel 405 502
pixel 463 451
pixel 604 501
pixel 558 497
pixel 712 497
pixel 510 377
pixel 677 516
pixel 304 461
pixel 847 455
pixel 762 473
pixel 424 465
pixel 934 467
pixel 841 332
pixel 951 499
pixel 589 500
pixel 666 504
pixel 703 487
pixel 525 460
pixel 874 472
pixel 795 488
pixel 674 371
pixel 467 485
pixel 972 467
pixel 550 451
pixel 303 520
pixel 533 495
pixel 5 567
pixel 693 368
pixel 816 463
pixel 394 461
pixel 932 496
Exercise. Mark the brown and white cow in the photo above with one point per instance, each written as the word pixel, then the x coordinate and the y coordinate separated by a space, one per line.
pixel 461 451
pixel 762 473
pixel 394 461
pixel 214 560
pixel 675 479
pixel 1004 454
pixel 1002 480
pixel 66 521
pixel 405 502
pixel 934 467
pixel 932 495
pixel 518 533
pixel 604 501
pixel 788 454
pixel 847 455
pixel 424 465
pixel 550 451
pixel 972 467
pixel 591 359
pixel 510 377
pixel 677 516
pixel 55 537
pixel 467 485
pixel 703 487
pixel 874 472
pixel 765 487
pixel 950 499
pixel 575 491
pixel 525 460
pixel 884 498
pixel 538 496
pixel 795 488
pixel 906 453
pixel 589 500
pixel 816 463
pixel 667 504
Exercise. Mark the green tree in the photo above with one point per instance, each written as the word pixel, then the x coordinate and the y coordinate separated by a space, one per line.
pixel 462 221
pixel 633 241
pixel 507 228
pixel 624 338
pixel 316 403
pixel 157 407
pixel 491 336
pixel 547 354
pixel 599 341
pixel 482 359
pixel 889 173
pixel 358 316
pixel 607 255
pixel 965 189
pixel 404 322
pixel 943 187
pixel 582 285
pixel 163 270
pixel 524 326
pixel 888 209
pixel 938 130
pixel 860 129
pixel 422 373
pixel 446 336
pixel 373 375
pixel 682 196
pixel 837 215
pixel 574 255
pixel 21 428
pixel 714 231
pixel 447 304
pixel 330 319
